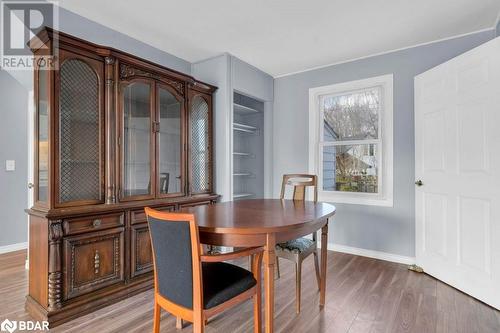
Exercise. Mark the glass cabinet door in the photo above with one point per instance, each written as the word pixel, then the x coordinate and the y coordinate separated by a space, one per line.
pixel 169 144
pixel 80 169
pixel 200 137
pixel 137 140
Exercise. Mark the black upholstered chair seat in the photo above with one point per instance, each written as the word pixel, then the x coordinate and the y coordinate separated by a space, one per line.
pixel 223 281
pixel 296 245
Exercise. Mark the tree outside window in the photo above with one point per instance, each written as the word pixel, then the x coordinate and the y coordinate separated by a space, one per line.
pixel 351 139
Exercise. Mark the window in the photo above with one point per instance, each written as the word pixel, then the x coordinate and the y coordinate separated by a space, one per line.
pixel 350 141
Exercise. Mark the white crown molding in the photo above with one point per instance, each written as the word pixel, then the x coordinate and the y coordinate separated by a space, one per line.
pixel 385 52
pixel 210 58
pixel 13 247
pixel 371 254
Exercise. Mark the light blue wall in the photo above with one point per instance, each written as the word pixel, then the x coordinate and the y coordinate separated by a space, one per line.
pixel 14 90
pixel 390 230
pixel 230 74
pixel 251 81
pixel 13 146
pixel 86 29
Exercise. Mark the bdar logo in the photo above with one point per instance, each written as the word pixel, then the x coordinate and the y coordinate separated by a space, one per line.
pixel 8 325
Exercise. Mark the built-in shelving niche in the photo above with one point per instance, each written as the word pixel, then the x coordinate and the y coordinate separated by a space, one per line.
pixel 248 147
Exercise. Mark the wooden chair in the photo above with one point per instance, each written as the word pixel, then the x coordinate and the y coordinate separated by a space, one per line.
pixel 191 285
pixel 299 249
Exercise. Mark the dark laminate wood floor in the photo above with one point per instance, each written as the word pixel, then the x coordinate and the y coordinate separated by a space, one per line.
pixel 363 295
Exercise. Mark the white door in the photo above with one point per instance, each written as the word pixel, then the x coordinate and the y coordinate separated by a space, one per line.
pixel 457 158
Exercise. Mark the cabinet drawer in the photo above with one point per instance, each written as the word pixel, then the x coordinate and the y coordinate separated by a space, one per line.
pixel 139 216
pixel 194 204
pixel 92 261
pixel 141 258
pixel 92 223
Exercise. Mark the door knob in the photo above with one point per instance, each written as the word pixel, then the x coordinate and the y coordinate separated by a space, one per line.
pixel 31 185
pixel 419 183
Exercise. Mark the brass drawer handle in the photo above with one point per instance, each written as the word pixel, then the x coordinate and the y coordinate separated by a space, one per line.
pixel 97 262
pixel 96 223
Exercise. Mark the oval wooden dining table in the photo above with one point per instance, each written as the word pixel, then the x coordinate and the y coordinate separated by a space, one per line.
pixel 265 222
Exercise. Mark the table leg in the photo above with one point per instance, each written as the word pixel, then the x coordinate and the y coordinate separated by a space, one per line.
pixel 324 243
pixel 269 260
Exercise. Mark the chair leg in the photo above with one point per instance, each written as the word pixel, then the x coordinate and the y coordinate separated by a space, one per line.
pixel 198 325
pixel 257 298
pixel 298 278
pixel 156 318
pixel 257 312
pixel 179 324
pixel 316 268
pixel 278 266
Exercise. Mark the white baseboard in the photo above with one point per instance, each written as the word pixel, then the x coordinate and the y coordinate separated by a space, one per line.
pixel 13 247
pixel 371 254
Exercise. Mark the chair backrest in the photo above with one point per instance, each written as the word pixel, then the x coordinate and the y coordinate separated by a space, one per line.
pixel 299 183
pixel 176 257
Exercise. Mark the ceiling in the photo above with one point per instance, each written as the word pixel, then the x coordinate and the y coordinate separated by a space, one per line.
pixel 286 36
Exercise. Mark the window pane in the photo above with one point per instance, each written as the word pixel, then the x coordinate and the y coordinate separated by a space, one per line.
pixel 169 142
pixel 350 168
pixel 352 116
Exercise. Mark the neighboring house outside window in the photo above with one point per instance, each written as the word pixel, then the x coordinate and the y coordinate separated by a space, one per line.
pixel 350 141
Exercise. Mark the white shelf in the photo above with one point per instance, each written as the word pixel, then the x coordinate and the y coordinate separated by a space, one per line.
pixel 244 128
pixel 242 174
pixel 239 153
pixel 244 110
pixel 242 195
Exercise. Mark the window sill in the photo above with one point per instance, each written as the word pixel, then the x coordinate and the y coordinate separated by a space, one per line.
pixel 355 199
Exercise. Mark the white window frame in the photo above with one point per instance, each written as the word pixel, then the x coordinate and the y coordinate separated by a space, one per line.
pixel 384 197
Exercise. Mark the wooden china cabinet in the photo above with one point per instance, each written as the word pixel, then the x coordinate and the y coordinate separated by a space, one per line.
pixel 114 133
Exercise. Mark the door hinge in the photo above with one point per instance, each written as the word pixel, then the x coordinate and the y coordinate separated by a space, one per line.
pixel 415 268
pixel 156 126
pixel 119 141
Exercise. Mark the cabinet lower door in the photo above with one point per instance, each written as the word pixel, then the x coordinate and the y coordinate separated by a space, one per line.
pixel 93 261
pixel 141 254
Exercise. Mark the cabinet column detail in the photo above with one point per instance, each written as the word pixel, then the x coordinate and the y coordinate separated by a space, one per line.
pixel 110 130
pixel 55 259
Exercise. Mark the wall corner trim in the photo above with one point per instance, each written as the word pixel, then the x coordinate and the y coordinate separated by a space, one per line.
pixel 371 253
pixel 13 247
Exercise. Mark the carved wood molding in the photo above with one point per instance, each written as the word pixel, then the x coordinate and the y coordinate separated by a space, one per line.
pixel 110 128
pixel 127 71
pixel 109 60
pixel 55 264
